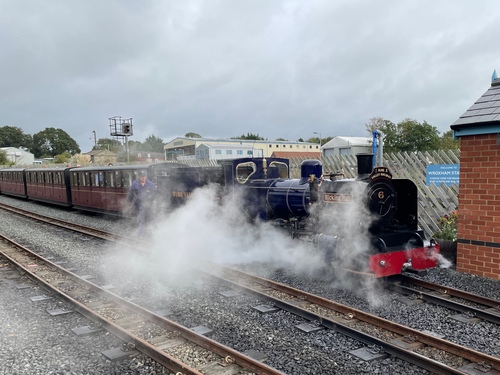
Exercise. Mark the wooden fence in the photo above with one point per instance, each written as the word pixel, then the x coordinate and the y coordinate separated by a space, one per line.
pixel 433 201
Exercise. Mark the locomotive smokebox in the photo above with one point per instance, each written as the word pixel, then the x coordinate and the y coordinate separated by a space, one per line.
pixel 365 165
pixel 309 167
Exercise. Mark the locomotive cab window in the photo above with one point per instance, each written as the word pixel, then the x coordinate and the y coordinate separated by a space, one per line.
pixel 244 171
pixel 281 167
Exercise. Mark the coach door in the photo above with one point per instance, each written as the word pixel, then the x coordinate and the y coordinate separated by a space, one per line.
pixel 80 188
pixel 112 190
pixel 98 190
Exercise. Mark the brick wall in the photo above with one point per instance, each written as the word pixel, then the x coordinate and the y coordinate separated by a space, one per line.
pixel 479 206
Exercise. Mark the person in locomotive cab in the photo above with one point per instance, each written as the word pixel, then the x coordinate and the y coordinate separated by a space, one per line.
pixel 141 196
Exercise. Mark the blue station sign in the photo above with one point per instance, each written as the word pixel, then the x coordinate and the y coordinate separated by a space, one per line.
pixel 443 173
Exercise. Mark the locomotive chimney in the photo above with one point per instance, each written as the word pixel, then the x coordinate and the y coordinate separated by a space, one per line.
pixel 365 165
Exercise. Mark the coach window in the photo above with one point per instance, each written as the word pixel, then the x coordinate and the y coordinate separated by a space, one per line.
pixel 96 178
pixel 110 179
pixel 87 179
pixel 244 171
pixel 118 178
pixel 127 178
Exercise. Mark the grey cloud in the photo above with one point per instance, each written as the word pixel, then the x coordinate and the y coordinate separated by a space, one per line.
pixel 224 68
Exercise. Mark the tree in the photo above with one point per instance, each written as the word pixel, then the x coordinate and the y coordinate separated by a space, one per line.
pixel 314 140
pixel 414 136
pixel 51 142
pixel 408 135
pixel 62 158
pixel 108 144
pixel 447 142
pixel 193 135
pixel 153 144
pixel 325 140
pixel 250 136
pixel 12 136
pixel 317 140
pixel 388 129
pixel 3 158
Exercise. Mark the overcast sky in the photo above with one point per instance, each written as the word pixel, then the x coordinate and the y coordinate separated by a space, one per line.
pixel 222 68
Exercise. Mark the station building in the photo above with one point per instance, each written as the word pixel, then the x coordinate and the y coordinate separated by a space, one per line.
pixel 478 247
pixel 347 146
pixel 18 156
pixel 182 148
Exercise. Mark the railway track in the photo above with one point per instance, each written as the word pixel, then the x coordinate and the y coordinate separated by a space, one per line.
pixel 82 229
pixel 171 345
pixel 417 347
pixel 471 305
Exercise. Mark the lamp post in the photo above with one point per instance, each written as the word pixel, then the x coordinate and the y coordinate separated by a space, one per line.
pixel 319 140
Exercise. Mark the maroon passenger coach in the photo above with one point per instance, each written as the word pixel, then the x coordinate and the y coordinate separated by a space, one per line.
pixel 12 182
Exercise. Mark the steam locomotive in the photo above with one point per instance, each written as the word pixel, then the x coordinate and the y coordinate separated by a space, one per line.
pixel 369 223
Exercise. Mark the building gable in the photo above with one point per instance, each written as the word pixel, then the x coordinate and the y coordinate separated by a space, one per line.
pixel 483 117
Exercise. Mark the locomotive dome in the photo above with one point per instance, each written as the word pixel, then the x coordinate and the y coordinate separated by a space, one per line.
pixel 309 167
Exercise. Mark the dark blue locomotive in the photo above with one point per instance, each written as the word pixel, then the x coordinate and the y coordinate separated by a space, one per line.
pixel 326 210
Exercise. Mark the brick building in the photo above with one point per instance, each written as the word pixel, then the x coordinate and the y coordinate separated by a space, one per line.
pixel 478 129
